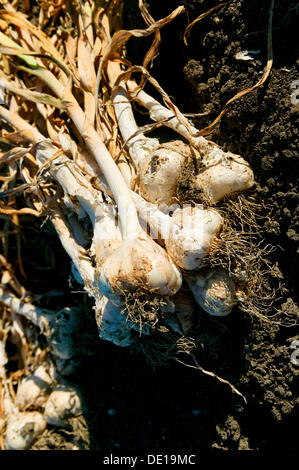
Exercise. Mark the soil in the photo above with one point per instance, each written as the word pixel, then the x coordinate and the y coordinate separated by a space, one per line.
pixel 131 407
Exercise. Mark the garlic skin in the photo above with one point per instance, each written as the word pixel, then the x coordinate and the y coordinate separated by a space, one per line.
pixel 112 325
pixel 224 174
pixel 190 242
pixel 160 170
pixel 138 263
pixel 107 235
pixel 214 291
pixel 23 429
pixel 188 234
pixel 64 402
pixel 33 391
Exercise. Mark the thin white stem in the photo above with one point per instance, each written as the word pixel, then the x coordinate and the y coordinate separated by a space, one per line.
pixel 138 145
pixel 160 223
pixel 75 252
pixel 127 212
pixel 30 133
pixel 34 314
pixel 159 112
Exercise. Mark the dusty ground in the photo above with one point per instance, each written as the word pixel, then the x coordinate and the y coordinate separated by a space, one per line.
pixel 130 406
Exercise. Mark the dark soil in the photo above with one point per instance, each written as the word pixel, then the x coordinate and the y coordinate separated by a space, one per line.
pixel 175 408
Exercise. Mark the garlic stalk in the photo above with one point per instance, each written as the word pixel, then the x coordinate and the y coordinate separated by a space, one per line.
pixel 214 291
pixel 60 328
pixel 224 173
pixel 188 234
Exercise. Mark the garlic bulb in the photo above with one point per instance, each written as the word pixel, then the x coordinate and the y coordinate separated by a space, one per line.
pixel 224 174
pixel 112 325
pixel 160 170
pixel 23 429
pixel 214 291
pixel 64 402
pixel 34 389
pixel 191 241
pixel 188 234
pixel 138 263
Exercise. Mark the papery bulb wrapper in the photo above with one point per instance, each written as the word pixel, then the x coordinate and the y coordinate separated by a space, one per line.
pixel 160 170
pixel 214 291
pixel 138 264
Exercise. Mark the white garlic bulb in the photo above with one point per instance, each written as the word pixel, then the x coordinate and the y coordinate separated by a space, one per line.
pixel 214 291
pixel 34 389
pixel 160 170
pixel 138 263
pixel 23 429
pixel 224 174
pixel 64 402
pixel 190 242
pixel 188 235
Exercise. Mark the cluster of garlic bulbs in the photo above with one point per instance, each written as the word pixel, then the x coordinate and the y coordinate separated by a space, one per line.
pixel 41 400
pixel 120 263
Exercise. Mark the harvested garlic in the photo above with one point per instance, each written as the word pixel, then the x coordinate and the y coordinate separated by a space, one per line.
pixel 34 389
pixel 188 234
pixel 138 263
pixel 214 291
pixel 160 171
pixel 64 402
pixel 23 429
pixel 223 173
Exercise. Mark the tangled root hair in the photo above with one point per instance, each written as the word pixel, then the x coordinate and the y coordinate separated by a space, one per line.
pixel 145 309
pixel 241 250
pixel 159 348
